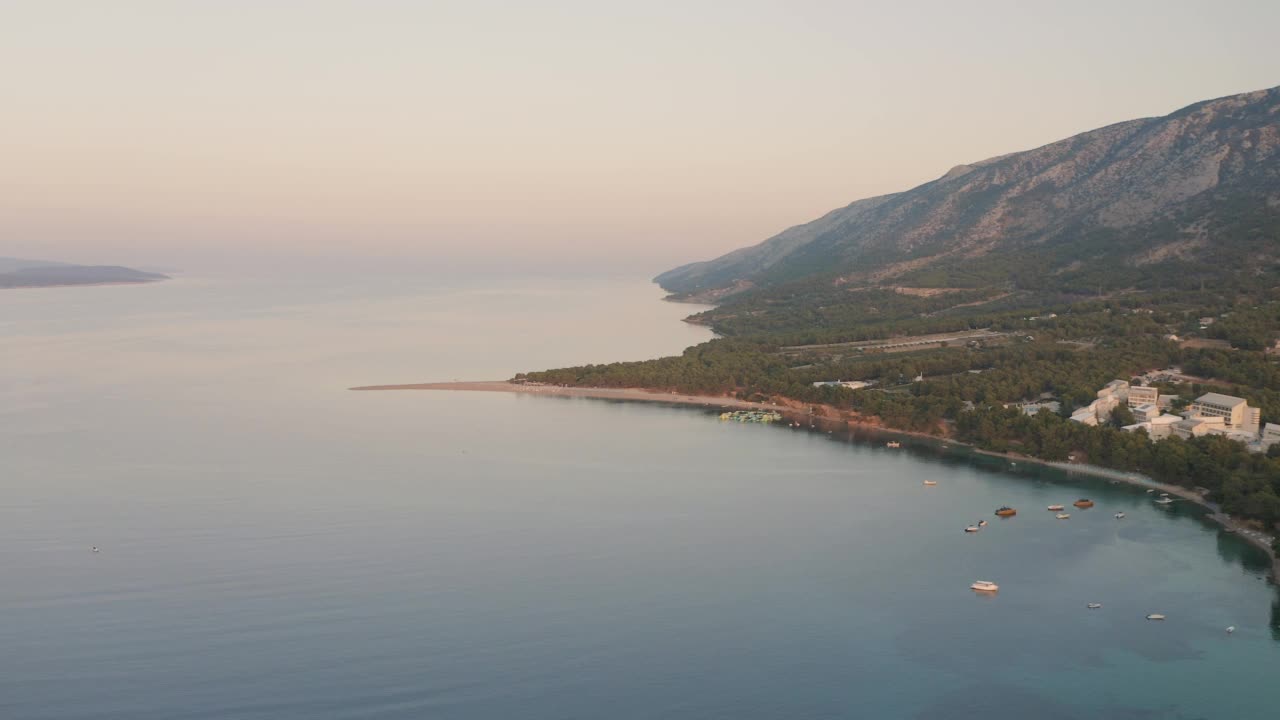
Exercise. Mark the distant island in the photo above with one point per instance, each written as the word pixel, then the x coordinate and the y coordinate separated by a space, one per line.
pixel 20 273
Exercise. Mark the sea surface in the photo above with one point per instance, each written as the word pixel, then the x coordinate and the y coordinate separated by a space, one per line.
pixel 275 546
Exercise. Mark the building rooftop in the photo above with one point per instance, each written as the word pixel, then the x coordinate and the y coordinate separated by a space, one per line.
pixel 1220 399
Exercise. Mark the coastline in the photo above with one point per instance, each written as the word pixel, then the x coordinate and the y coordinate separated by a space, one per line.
pixel 828 414
pixel 635 394
pixel 104 283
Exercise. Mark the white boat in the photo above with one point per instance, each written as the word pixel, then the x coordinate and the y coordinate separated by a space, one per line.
pixel 1119 516
pixel 1056 508
pixel 982 523
pixel 972 528
pixel 893 444
pixel 1165 501
pixel 930 482
pixel 1155 616
pixel 984 586
pixel 1150 490
pixel 1094 606
pixel 1063 516
pixel 1231 629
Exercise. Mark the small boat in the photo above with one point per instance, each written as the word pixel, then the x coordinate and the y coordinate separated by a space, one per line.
pixel 95 549
pixel 1165 501
pixel 1006 511
pixel 930 482
pixel 1094 606
pixel 1083 503
pixel 1119 516
pixel 1056 508
pixel 1164 494
pixel 1150 490
pixel 1231 629
pixel 984 586
pixel 982 523
pixel 972 528
pixel 1155 616
pixel 1228 530
pixel 893 444
pixel 1063 516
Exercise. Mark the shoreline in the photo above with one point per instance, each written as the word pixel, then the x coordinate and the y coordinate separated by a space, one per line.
pixel 105 283
pixel 635 394
pixel 794 411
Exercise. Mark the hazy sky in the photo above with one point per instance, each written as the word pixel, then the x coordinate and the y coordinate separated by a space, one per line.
pixel 179 133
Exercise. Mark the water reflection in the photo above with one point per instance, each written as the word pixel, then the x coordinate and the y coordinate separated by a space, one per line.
pixel 1121 495
pixel 1275 617
pixel 1235 550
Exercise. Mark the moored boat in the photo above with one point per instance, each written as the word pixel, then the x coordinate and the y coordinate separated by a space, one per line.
pixel 1155 616
pixel 893 444
pixel 1056 508
pixel 984 586
pixel 1006 511
pixel 1094 606
pixel 972 528
pixel 982 523
pixel 930 482
pixel 1063 516
pixel 1165 501
pixel 1083 503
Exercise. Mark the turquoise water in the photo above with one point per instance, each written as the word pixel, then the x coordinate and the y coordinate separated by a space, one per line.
pixel 273 546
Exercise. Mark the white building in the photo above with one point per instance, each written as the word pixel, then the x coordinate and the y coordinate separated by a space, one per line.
pixel 1193 427
pixel 1162 426
pixel 1158 427
pixel 1085 415
pixel 1099 411
pixel 1270 436
pixel 1235 412
pixel 1145 413
pixel 1143 395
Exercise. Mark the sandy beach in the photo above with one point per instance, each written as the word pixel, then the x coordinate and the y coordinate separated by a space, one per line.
pixel 827 414
pixel 597 393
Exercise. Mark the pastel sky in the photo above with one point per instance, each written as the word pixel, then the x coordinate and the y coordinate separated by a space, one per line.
pixel 178 133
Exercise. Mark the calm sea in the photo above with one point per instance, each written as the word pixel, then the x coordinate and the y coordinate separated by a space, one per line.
pixel 274 546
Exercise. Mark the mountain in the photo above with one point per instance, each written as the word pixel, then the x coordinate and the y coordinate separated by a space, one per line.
pixel 20 273
pixel 1194 191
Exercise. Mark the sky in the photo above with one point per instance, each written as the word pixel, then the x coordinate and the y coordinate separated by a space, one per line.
pixel 179 134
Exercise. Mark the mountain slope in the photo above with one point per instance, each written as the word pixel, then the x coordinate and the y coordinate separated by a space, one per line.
pixel 1133 194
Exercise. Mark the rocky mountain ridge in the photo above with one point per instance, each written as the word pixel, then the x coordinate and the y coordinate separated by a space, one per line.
pixel 1137 192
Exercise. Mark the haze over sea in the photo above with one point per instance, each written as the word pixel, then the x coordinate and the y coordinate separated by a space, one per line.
pixel 275 546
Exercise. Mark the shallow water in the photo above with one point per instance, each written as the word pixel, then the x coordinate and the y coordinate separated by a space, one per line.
pixel 274 546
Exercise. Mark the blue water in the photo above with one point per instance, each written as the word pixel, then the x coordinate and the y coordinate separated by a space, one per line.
pixel 274 546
